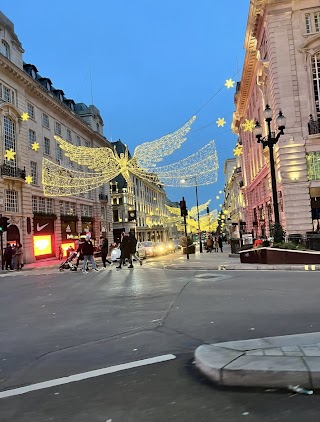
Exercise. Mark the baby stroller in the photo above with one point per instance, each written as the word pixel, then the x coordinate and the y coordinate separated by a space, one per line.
pixel 67 264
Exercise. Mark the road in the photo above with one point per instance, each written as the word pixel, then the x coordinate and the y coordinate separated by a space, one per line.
pixel 55 325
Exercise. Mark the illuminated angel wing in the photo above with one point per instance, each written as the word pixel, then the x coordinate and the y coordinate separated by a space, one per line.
pixel 200 168
pixel 194 210
pixel 149 153
pixel 99 159
pixel 59 181
pixel 173 210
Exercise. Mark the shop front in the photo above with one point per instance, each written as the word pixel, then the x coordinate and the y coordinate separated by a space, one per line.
pixel 43 237
pixel 68 233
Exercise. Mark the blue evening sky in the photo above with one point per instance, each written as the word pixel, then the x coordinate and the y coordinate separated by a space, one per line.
pixel 153 64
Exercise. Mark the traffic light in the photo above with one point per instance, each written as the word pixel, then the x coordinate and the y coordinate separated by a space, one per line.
pixel 183 208
pixel 4 224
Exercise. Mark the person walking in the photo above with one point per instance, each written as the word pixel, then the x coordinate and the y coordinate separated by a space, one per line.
pixel 19 256
pixel 216 244
pixel 7 256
pixel 87 251
pixel 133 249
pixel 209 243
pixel 104 252
pixel 220 243
pixel 125 250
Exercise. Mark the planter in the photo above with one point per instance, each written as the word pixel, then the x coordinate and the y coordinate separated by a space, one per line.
pixel 191 249
pixel 276 256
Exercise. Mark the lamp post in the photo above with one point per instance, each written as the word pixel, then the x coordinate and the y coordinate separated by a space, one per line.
pixel 197 201
pixel 269 141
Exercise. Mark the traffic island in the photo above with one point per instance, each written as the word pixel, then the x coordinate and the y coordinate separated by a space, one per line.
pixel 275 256
pixel 270 362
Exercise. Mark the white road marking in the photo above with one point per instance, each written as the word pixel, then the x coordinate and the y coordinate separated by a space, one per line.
pixel 84 375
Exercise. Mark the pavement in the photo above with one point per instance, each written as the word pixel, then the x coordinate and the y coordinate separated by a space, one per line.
pixel 270 362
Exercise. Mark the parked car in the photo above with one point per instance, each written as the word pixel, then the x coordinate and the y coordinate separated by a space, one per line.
pixel 150 248
pixel 160 248
pixel 116 252
pixel 170 246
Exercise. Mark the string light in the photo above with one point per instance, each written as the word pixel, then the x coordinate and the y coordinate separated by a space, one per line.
pixel 25 117
pixel 248 125
pixel 10 154
pixel 238 150
pixel 35 146
pixel 29 180
pixel 229 83
pixel 221 122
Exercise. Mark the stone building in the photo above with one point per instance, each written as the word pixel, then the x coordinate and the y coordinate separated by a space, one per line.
pixel 281 69
pixel 42 223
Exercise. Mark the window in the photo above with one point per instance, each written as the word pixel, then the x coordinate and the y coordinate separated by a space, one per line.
pixel 78 141
pixel 67 208
pixel 58 154
pixel 69 137
pixel 114 201
pixel 34 172
pixel 45 120
pixel 87 144
pixel 57 128
pixel 5 49
pixel 32 137
pixel 115 216
pixel 316 81
pixel 40 204
pixel 7 94
pixel 31 111
pixel 317 22
pixel 313 165
pixel 308 23
pixel 9 129
pixel 11 203
pixel 47 146
pixel 86 210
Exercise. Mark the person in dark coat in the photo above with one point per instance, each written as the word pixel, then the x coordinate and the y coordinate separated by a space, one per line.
pixel 104 253
pixel 133 249
pixel 87 250
pixel 7 256
pixel 220 243
pixel 125 250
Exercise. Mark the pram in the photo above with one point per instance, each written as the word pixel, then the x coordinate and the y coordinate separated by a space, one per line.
pixel 67 264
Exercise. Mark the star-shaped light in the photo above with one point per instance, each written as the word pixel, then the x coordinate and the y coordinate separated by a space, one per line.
pixel 35 146
pixel 220 205
pixel 29 180
pixel 220 191
pixel 10 154
pixel 25 116
pixel 229 83
pixel 217 197
pixel 237 151
pixel 221 122
pixel 248 125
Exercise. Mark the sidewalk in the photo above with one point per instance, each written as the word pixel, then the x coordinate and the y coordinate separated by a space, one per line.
pixel 271 362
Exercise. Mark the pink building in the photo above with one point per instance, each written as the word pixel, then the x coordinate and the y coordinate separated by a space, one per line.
pixel 281 69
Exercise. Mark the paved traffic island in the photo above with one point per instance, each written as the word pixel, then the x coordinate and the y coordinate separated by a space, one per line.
pixel 270 362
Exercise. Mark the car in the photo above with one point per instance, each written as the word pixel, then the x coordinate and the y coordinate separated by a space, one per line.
pixel 160 248
pixel 170 246
pixel 116 252
pixel 149 247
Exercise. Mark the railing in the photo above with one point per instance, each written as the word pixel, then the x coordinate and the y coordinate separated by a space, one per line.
pixel 103 197
pixel 313 126
pixel 6 170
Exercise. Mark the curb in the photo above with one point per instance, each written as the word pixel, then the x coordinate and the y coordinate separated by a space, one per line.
pixel 259 363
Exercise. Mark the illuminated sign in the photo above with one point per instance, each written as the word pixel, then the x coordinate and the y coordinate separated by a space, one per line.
pixel 65 246
pixel 42 245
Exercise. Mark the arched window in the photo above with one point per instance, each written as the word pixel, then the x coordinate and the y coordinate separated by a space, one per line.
pixel 9 135
pixel 5 49
pixel 316 81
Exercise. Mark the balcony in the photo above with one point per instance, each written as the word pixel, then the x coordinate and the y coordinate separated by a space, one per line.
pixel 15 172
pixel 313 126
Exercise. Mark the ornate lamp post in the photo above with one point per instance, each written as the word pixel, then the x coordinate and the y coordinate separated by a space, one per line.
pixel 269 141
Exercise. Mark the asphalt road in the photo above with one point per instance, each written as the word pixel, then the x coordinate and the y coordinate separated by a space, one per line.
pixel 54 325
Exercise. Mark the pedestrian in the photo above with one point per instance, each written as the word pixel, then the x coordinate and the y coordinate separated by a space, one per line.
pixel 87 251
pixel 60 253
pixel 209 243
pixel 125 250
pixel 216 244
pixel 19 256
pixel 220 243
pixel 7 256
pixel 133 249
pixel 104 252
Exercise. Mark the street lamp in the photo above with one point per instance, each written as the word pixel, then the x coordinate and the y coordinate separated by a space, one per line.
pixel 196 183
pixel 269 141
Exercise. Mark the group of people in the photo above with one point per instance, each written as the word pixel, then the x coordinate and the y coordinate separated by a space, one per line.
pixel 128 248
pixel 214 243
pixel 13 257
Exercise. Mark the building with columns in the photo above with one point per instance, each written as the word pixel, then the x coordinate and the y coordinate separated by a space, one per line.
pixel 282 70
pixel 42 223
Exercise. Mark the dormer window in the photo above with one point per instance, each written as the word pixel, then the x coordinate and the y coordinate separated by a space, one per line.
pixel 33 74
pixel 48 86
pixel 5 49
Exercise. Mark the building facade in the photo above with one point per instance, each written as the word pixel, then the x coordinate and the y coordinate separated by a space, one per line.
pixel 42 223
pixel 282 70
pixel 139 207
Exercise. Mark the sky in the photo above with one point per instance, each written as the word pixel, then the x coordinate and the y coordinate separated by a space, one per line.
pixel 147 65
